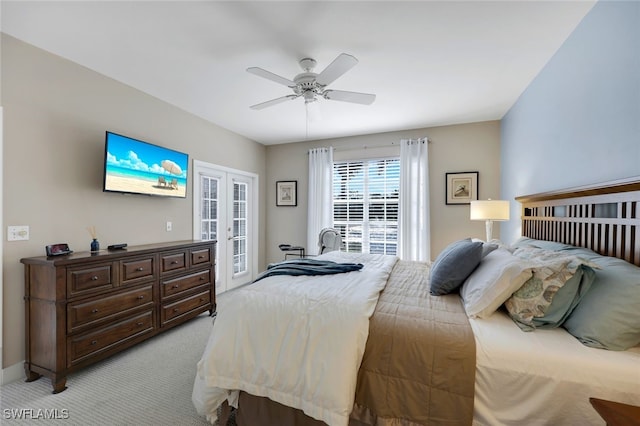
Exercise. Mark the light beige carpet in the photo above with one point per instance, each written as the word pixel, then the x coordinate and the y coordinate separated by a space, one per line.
pixel 148 384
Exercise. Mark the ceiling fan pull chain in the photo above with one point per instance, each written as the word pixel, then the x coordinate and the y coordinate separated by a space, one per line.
pixel 306 120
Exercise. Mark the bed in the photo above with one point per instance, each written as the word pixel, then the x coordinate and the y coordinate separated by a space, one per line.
pixel 386 350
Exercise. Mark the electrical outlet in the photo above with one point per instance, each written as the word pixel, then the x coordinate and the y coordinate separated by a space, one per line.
pixel 169 226
pixel 18 233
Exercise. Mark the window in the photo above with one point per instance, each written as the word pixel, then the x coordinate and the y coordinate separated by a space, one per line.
pixel 365 204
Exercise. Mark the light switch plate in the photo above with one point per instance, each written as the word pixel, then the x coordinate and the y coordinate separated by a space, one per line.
pixel 18 233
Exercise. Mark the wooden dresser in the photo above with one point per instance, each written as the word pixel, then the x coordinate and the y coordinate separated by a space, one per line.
pixel 84 307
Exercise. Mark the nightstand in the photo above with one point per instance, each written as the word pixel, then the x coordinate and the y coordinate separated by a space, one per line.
pixel 616 413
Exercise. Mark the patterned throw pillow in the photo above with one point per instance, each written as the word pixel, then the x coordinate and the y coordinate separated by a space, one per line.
pixel 532 305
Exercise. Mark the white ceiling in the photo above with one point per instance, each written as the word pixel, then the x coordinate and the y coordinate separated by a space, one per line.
pixel 430 63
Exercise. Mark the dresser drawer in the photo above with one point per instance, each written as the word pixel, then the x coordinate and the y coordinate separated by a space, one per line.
pixel 201 256
pixel 172 262
pixel 137 270
pixel 178 285
pixel 85 345
pixel 183 306
pixel 90 279
pixel 88 311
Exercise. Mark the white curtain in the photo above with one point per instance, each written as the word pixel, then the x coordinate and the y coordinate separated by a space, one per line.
pixel 320 214
pixel 413 219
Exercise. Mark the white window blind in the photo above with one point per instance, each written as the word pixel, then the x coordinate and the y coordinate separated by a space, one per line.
pixel 365 204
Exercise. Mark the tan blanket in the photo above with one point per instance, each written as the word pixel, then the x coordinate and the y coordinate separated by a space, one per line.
pixel 418 366
pixel 419 362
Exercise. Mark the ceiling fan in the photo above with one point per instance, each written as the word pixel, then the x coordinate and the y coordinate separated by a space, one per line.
pixel 310 85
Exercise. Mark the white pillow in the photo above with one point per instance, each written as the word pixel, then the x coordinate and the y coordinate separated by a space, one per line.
pixel 495 279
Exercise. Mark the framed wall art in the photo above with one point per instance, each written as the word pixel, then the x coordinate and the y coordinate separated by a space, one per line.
pixel 461 188
pixel 287 193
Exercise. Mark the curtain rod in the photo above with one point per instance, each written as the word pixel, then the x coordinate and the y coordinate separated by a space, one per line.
pixel 374 146
pixel 371 146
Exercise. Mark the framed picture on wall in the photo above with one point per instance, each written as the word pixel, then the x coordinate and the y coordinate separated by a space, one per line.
pixel 287 193
pixel 461 187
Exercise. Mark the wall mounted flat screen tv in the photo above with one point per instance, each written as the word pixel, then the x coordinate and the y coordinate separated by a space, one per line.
pixel 136 167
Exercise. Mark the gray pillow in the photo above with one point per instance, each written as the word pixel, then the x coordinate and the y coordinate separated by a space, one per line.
pixel 546 245
pixel 608 316
pixel 453 265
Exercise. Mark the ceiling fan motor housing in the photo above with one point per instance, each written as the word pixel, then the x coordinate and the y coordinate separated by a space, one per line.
pixel 306 80
pixel 307 86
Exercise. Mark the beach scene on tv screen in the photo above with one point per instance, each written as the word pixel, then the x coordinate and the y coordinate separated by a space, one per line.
pixel 138 167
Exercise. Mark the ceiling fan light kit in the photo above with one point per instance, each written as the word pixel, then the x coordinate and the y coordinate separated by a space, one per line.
pixel 310 85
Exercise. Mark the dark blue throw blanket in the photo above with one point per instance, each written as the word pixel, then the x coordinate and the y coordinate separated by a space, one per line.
pixel 308 267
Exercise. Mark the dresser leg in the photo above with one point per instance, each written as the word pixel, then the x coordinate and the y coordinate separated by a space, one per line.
pixel 31 376
pixel 59 384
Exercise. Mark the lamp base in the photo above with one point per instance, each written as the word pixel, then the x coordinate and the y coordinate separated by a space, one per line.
pixel 489 229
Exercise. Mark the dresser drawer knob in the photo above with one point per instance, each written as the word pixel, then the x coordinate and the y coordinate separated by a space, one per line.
pixel 201 257
pixel 141 297
pixel 140 269
pixel 94 342
pixel 94 278
pixel 176 286
pixel 202 299
pixel 176 310
pixel 174 262
pixel 140 324
pixel 94 311
pixel 201 278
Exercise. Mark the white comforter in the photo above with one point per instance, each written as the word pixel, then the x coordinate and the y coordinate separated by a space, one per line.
pixel 296 340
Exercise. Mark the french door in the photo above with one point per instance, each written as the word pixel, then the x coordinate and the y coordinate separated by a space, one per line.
pixel 225 210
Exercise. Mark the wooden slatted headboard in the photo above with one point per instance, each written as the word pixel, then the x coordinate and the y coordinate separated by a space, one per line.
pixel 604 218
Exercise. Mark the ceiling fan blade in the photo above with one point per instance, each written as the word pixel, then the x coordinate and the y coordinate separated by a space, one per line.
pixel 271 76
pixel 335 69
pixel 273 102
pixel 344 96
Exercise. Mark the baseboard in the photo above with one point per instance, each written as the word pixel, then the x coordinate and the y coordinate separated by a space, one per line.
pixel 12 373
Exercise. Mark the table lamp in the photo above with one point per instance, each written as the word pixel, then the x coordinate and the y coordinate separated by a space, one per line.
pixel 489 211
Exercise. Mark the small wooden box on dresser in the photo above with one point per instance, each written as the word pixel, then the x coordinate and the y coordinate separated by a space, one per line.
pixel 84 307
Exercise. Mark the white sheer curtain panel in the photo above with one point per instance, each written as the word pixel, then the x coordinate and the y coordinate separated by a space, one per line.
pixel 413 215
pixel 320 214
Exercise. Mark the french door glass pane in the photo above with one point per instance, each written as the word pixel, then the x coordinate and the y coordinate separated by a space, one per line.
pixel 239 227
pixel 209 213
pixel 205 209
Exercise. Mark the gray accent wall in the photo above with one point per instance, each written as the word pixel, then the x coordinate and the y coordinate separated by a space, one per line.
pixel 578 122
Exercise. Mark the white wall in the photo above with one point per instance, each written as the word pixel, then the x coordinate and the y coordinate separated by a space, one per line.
pixel 579 121
pixel 458 148
pixel 1 233
pixel 55 116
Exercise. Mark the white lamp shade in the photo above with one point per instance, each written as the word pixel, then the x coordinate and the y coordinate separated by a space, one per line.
pixel 490 210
